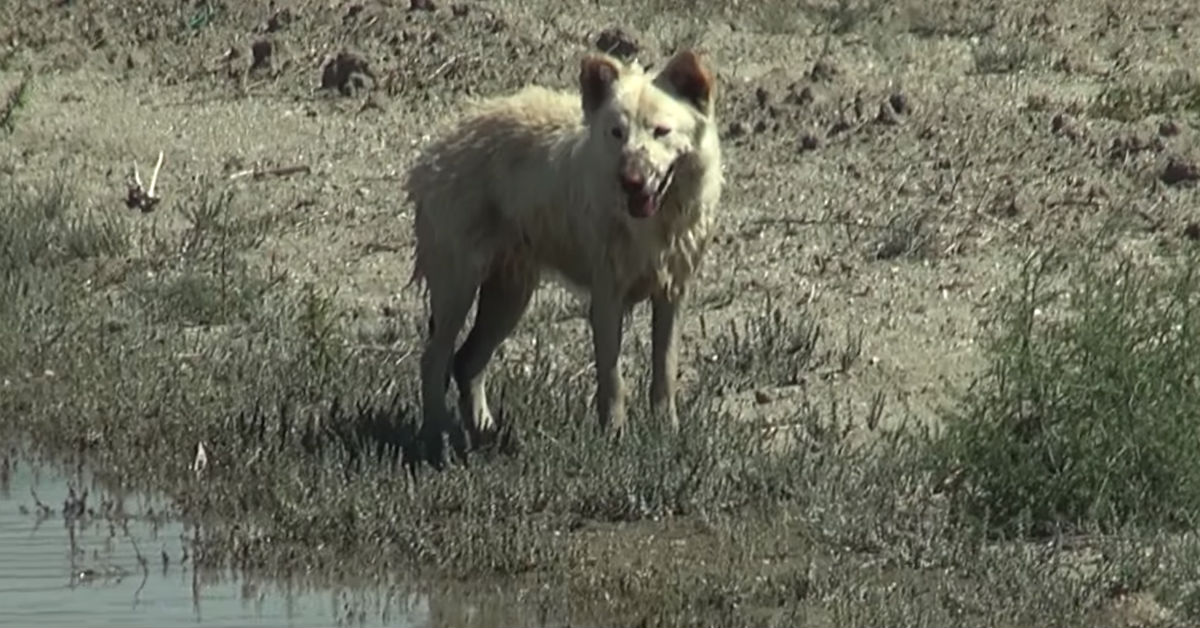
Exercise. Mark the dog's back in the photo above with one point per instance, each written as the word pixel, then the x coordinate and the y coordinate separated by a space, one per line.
pixel 497 175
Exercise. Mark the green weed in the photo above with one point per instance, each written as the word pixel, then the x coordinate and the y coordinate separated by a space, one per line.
pixel 1129 102
pixel 1007 55
pixel 15 102
pixel 1086 418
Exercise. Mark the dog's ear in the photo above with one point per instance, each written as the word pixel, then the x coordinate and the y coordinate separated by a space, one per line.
pixel 686 76
pixel 597 74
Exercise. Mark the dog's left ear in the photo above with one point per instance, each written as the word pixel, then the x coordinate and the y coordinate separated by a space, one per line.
pixel 686 76
pixel 597 73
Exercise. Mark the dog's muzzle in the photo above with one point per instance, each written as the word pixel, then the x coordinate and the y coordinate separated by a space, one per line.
pixel 644 194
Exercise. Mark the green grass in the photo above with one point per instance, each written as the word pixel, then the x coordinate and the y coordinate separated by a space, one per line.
pixel 1086 419
pixel 311 447
pixel 1006 55
pixel 1133 101
pixel 14 102
pixel 42 232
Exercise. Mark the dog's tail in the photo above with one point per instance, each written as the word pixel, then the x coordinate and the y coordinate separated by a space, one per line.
pixel 411 191
pixel 418 270
pixel 418 275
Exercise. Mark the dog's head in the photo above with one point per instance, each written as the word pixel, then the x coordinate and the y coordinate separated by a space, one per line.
pixel 652 127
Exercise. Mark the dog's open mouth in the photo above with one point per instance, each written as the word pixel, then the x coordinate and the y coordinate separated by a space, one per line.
pixel 645 200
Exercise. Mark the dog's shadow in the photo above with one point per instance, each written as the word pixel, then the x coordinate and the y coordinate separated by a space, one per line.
pixel 381 432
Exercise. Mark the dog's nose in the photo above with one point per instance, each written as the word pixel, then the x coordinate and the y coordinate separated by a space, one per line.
pixel 632 179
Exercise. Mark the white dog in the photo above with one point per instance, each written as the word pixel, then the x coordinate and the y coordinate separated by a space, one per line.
pixel 611 188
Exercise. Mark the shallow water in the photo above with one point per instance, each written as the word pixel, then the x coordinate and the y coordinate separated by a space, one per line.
pixel 64 571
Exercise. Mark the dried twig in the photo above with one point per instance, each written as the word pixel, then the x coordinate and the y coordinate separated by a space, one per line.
pixel 201 461
pixel 259 173
pixel 15 101
pixel 139 196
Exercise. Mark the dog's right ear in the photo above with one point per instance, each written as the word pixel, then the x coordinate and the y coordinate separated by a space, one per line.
pixel 596 77
pixel 686 75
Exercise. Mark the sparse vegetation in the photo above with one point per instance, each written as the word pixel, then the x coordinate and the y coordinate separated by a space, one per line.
pixel 1005 55
pixel 905 235
pixel 1135 100
pixel 41 231
pixel 1086 418
pixel 327 434
pixel 937 19
pixel 15 101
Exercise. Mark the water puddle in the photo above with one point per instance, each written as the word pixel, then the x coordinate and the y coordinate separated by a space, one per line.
pixel 65 560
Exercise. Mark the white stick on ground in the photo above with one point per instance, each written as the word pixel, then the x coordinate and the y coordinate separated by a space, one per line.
pixel 138 195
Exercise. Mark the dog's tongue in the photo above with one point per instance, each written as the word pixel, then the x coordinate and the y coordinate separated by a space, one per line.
pixel 642 205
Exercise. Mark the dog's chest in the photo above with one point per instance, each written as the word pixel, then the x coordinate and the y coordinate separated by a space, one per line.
pixel 659 262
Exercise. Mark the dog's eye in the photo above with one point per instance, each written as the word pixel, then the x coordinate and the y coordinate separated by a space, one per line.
pixel 661 131
pixel 618 132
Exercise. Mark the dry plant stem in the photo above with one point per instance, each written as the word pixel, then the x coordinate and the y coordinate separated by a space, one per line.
pixel 139 196
pixel 278 172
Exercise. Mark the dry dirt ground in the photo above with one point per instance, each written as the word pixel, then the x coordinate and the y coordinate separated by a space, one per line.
pixel 888 164
pixel 1017 122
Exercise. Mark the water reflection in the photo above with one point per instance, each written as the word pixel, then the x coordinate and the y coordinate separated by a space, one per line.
pixel 75 553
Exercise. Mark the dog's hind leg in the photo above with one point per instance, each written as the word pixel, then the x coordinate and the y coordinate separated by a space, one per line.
pixel 451 292
pixel 432 326
pixel 503 298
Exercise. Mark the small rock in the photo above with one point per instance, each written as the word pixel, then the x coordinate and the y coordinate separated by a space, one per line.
pixel 352 11
pixel 1058 122
pixel 762 397
pixel 760 126
pixel 1192 231
pixel 260 54
pixel 1179 170
pixel 1168 128
pixel 858 106
pixel 617 42
pixel 799 95
pixel 1064 125
pixel 1008 204
pixel 345 72
pixel 1125 146
pixel 809 141
pixel 459 10
pixel 421 5
pixel 899 103
pixel 278 21
pixel 762 96
pixel 823 70
pixel 838 127
pixel 887 115
pixel 371 104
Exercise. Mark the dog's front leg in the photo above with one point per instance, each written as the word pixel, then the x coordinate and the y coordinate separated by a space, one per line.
pixel 664 339
pixel 607 314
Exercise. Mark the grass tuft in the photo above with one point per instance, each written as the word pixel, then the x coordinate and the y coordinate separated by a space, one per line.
pixel 1130 102
pixel 16 100
pixel 1086 418
pixel 42 229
